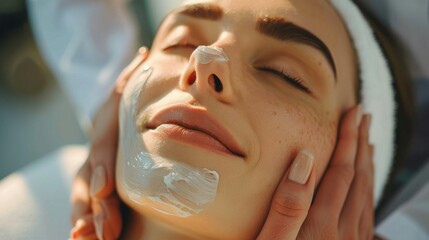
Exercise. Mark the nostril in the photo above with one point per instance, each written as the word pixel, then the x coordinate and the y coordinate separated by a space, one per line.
pixel 216 83
pixel 192 78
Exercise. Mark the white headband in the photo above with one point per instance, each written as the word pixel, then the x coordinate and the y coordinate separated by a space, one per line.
pixel 377 91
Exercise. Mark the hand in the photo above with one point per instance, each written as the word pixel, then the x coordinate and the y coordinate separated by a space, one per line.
pixel 95 204
pixel 343 207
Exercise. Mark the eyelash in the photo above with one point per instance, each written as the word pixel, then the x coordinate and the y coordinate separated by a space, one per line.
pixel 181 45
pixel 295 81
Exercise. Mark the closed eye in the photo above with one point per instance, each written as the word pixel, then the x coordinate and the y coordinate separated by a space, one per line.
pixel 294 81
pixel 181 45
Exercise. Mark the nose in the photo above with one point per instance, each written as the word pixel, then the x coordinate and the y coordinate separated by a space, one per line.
pixel 208 72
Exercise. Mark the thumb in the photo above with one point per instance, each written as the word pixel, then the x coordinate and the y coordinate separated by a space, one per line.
pixel 292 200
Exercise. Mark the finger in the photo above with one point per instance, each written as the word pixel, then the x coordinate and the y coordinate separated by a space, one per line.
pixel 105 136
pixel 366 224
pixel 292 200
pixel 107 220
pixel 84 227
pixel 141 56
pixel 367 218
pixel 80 194
pixel 336 182
pixel 87 237
pixel 103 150
pixel 371 153
pixel 356 200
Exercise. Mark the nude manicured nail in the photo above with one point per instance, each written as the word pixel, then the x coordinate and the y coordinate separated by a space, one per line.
pixel 79 223
pixel 142 50
pixel 77 227
pixel 98 223
pixel 98 181
pixel 359 115
pixel 369 120
pixel 301 167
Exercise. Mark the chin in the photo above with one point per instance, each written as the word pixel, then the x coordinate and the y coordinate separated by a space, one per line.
pixel 228 217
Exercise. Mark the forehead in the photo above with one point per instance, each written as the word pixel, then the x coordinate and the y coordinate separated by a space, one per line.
pixel 317 16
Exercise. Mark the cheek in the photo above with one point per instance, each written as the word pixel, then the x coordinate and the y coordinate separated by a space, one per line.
pixel 283 129
pixel 322 145
pixel 160 82
pixel 316 131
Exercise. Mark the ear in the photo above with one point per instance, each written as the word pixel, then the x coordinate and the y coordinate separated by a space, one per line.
pixel 125 75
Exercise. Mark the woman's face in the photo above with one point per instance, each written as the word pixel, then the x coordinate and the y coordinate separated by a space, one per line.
pixel 291 74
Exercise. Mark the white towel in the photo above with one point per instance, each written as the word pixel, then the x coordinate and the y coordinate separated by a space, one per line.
pixel 377 91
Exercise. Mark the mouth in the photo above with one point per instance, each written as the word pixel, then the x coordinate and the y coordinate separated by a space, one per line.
pixel 194 126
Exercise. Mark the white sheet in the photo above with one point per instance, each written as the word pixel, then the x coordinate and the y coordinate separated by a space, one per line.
pixel 34 202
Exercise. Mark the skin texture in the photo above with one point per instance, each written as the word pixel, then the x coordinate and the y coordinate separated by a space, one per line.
pixel 271 119
pixel 286 117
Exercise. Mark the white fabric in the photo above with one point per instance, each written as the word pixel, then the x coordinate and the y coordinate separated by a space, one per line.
pixel 86 44
pixel 34 202
pixel 377 90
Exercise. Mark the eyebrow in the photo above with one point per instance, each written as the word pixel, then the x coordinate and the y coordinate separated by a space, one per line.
pixel 274 27
pixel 283 30
pixel 203 11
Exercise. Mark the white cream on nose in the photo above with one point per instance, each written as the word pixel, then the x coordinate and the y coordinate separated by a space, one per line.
pixel 208 54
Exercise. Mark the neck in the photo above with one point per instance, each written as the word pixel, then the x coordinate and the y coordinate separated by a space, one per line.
pixel 145 228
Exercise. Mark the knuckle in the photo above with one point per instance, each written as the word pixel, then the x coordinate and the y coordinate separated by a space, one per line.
pixel 345 174
pixel 74 217
pixel 289 206
pixel 351 234
pixel 362 182
pixel 328 231
pixel 349 134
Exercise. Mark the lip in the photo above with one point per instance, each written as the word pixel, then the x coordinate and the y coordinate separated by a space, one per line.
pixel 197 127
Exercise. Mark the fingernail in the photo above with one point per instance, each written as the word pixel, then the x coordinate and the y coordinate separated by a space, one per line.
pixel 359 115
pixel 369 116
pixel 73 233
pixel 79 224
pixel 98 181
pixel 143 50
pixel 98 222
pixel 301 167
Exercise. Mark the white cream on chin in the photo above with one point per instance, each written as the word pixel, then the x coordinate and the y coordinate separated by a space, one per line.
pixel 164 184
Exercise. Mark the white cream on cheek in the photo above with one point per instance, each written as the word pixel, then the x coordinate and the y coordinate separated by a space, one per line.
pixel 166 185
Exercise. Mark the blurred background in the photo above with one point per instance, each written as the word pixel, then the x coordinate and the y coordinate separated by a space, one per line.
pixel 35 115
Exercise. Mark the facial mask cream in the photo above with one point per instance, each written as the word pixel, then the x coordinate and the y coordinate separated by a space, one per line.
pixel 208 54
pixel 166 185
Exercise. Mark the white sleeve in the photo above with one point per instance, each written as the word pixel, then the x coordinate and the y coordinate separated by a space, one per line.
pixel 86 44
